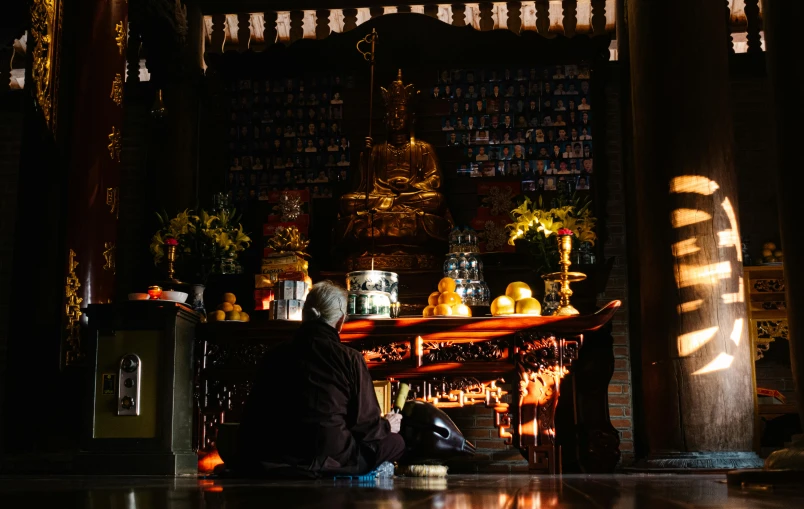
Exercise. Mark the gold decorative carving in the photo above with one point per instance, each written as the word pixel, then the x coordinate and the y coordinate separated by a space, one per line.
pixel 765 332
pixel 768 286
pixel 109 255
pixel 120 38
pixel 46 33
pixel 113 201
pixel 117 90
pixel 73 312
pixel 115 144
pixel 395 261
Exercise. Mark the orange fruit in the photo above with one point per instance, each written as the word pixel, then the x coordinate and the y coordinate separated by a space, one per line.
pixel 449 298
pixel 229 297
pixel 433 299
pixel 447 284
pixel 503 305
pixel 461 310
pixel 529 306
pixel 233 315
pixel 237 308
pixel 244 317
pixel 429 311
pixel 518 291
pixel 443 310
pixel 216 316
pixel 226 307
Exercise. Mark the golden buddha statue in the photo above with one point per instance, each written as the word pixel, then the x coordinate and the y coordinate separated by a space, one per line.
pixel 397 205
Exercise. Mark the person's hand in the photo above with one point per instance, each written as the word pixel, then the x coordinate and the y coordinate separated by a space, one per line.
pixel 395 420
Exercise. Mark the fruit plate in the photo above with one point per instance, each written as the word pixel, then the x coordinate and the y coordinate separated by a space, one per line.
pixel 229 321
pixel 772 264
pixel 516 315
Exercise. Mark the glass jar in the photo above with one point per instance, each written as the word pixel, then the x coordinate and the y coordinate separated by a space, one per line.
pixel 451 266
pixel 228 263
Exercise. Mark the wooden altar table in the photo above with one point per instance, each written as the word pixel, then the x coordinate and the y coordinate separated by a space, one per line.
pixel 451 362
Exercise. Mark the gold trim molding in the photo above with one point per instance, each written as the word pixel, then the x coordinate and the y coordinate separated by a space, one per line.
pixel 73 312
pixel 109 256
pixel 46 19
pixel 117 90
pixel 115 144
pixel 120 38
pixel 113 201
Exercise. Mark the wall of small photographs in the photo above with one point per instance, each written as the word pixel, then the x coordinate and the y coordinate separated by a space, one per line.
pixel 285 134
pixel 534 124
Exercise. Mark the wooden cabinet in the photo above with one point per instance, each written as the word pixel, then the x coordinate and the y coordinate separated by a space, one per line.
pixel 767 310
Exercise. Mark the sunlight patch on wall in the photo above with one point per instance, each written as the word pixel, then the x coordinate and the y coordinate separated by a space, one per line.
pixel 692 341
pixel 693 184
pixel 686 217
pixel 722 361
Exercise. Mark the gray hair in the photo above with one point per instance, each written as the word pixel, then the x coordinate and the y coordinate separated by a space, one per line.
pixel 325 302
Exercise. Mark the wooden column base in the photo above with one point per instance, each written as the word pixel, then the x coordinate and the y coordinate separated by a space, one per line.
pixel 544 459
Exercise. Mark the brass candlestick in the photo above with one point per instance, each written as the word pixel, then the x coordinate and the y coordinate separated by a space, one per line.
pixel 171 259
pixel 564 239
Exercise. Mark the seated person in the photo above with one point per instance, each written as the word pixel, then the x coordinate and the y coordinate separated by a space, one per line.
pixel 336 426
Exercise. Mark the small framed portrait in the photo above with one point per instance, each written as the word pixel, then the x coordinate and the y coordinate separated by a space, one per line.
pixel 464 170
pixel 587 166
pixel 565 184
pixel 343 160
pixel 471 123
pixel 582 182
pixel 488 169
pixel 447 124
pixel 470 152
pixel 448 92
pixel 479 137
pixel 528 185
pixel 576 149
pixel 584 105
pixel 459 93
pixel 263 193
pixel 502 169
pixel 479 106
pixel 550 183
pixel 587 150
pixel 481 154
pixel 506 152
pixel 515 168
pixel 452 139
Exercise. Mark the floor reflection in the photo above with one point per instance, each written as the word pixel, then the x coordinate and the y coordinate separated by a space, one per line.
pixel 454 492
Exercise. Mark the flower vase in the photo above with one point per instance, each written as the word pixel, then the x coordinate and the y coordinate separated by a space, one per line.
pixel 552 297
pixel 197 299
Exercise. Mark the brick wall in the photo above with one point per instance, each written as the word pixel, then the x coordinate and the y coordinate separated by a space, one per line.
pixel 10 138
pixel 620 401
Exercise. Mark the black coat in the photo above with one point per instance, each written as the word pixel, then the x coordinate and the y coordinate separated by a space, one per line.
pixel 313 405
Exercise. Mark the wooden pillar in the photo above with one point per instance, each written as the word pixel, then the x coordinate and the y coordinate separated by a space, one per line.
pixel 96 141
pixel 781 22
pixel 697 362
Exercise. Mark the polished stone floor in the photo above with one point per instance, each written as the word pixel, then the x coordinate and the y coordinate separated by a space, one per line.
pixel 454 492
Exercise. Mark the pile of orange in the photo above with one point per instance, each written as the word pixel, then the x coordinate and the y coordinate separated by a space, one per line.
pixel 228 311
pixel 445 302
pixel 518 299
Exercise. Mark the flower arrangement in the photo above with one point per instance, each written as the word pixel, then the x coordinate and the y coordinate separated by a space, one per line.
pixel 202 240
pixel 534 226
